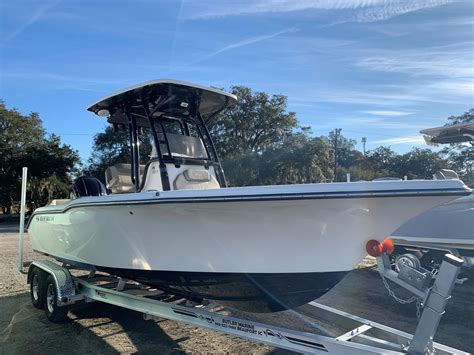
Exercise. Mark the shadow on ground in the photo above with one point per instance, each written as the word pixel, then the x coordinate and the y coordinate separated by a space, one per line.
pixel 25 329
pixel 9 228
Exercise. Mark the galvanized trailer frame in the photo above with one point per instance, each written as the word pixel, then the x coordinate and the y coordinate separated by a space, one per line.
pixel 361 336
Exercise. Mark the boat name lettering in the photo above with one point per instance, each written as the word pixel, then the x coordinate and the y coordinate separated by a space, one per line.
pixel 44 218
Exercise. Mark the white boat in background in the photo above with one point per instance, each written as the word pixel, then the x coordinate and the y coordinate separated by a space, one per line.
pixel 424 240
pixel 445 228
pixel 456 133
pixel 180 229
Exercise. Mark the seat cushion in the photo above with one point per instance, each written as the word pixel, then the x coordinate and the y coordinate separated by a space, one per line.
pixel 118 178
pixel 193 179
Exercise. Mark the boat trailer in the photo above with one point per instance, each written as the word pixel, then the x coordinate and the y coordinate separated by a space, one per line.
pixel 60 290
pixel 54 288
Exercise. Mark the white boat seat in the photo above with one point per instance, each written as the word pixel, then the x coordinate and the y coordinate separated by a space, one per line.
pixel 118 179
pixel 194 179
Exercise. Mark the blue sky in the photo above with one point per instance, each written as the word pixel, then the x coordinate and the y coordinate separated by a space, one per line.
pixel 375 68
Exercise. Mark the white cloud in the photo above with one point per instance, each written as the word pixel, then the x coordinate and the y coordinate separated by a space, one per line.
pixel 397 125
pixel 59 81
pixel 386 96
pixel 370 124
pixel 462 88
pixel 387 113
pixel 402 140
pixel 455 61
pixel 365 10
pixel 363 96
pixel 392 8
pixel 31 20
pixel 243 43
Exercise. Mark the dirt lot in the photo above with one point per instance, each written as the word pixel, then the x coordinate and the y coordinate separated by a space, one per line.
pixel 107 329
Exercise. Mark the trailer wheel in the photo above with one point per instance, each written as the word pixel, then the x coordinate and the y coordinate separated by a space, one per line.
pixel 53 312
pixel 408 259
pixel 36 288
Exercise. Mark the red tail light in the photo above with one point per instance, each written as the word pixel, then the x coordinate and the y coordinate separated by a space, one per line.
pixel 375 248
pixel 387 246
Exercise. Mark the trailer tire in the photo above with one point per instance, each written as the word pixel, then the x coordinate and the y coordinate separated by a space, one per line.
pixel 54 313
pixel 409 259
pixel 37 281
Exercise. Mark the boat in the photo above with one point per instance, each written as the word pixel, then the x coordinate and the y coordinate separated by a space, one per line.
pixel 174 224
pixel 448 228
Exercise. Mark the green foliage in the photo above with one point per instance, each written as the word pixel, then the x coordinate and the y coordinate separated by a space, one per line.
pixel 462 161
pixel 461 156
pixel 466 117
pixel 260 143
pixel 111 148
pixel 298 159
pixel 383 161
pixel 347 155
pixel 257 123
pixel 419 164
pixel 23 142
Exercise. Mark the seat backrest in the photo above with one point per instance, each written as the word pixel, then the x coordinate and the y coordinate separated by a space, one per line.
pixel 118 178
pixel 193 179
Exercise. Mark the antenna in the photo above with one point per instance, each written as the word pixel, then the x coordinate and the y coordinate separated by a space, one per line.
pixel 364 142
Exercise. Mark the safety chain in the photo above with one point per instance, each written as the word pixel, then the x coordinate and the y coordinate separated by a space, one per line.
pixel 419 306
pixel 404 301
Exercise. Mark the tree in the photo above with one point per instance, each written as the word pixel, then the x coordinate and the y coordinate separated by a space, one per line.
pixel 112 147
pixel 419 164
pixel 261 143
pixel 256 123
pixel 466 117
pixel 347 154
pixel 461 156
pixel 23 142
pixel 383 162
pixel 380 162
pixel 300 159
pixel 50 167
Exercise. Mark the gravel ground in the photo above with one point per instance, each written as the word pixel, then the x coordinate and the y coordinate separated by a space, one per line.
pixel 108 329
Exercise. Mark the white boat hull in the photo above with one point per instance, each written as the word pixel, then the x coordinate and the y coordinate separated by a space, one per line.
pixel 223 232
pixel 250 237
